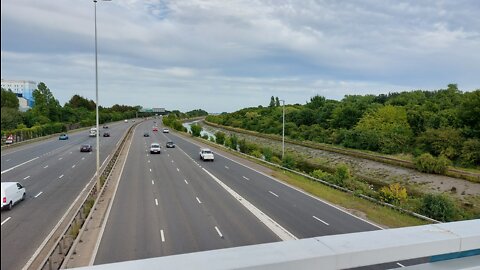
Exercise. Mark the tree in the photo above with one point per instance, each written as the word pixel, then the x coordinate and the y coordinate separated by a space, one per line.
pixel 389 126
pixel 439 207
pixel 196 130
pixel 393 194
pixel 316 102
pixel 9 99
pixel 45 103
pixel 277 102
pixel 272 102
pixel 78 101
pixel 10 118
pixel 220 137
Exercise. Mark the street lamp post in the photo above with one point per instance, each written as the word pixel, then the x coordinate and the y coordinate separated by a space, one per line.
pixel 283 129
pixel 97 174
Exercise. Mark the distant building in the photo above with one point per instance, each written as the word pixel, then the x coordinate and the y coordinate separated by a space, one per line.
pixel 23 89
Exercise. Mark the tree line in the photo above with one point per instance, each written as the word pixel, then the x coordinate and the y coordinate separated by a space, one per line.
pixel 444 124
pixel 47 116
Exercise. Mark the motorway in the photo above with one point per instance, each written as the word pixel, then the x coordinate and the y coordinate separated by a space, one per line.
pixel 53 173
pixel 173 203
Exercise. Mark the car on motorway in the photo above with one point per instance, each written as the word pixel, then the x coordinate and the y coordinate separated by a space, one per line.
pixel 9 140
pixel 166 130
pixel 146 134
pixel 170 144
pixel 86 148
pixel 126 120
pixel 105 126
pixel 155 148
pixel 206 154
pixel 93 132
pixel 155 129
pixel 12 193
pixel 106 134
pixel 63 136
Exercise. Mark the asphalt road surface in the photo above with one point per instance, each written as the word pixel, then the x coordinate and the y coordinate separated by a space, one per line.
pixel 53 173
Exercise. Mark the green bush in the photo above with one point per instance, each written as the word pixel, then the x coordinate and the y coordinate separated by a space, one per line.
pixel 289 161
pixel 439 207
pixel 276 160
pixel 342 174
pixel 242 146
pixel 321 175
pixel 429 164
pixel 393 194
pixel 220 137
pixel 205 136
pixel 267 153
pixel 212 139
pixel 256 153
pixel 196 130
pixel 233 142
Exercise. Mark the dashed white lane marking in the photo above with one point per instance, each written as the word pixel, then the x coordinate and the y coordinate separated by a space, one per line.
pixel 178 169
pixel 186 182
pixel 7 219
pixel 40 193
pixel 153 183
pixel 149 161
pixel 156 202
pixel 226 167
pixel 198 200
pixel 25 178
pixel 60 176
pixel 401 265
pixel 7 160
pixel 321 220
pixel 70 152
pixel 45 167
pixel 83 158
pixel 163 236
pixel 273 194
pixel 150 169
pixel 172 161
pixel 73 166
pixel 245 178
pixel 7 170
pixel 218 231
pixel 60 158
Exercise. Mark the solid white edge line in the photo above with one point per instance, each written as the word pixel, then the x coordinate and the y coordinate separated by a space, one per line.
pixel 321 220
pixel 198 200
pixel 16 166
pixel 102 229
pixel 105 161
pixel 40 193
pixel 162 235
pixel 156 202
pixel 7 219
pixel 273 194
pixel 218 231
pixel 301 191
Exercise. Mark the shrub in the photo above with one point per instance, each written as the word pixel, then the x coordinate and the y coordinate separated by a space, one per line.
pixel 288 161
pixel 256 154
pixel 242 145
pixel 205 136
pixel 233 142
pixel 220 137
pixel 393 194
pixel 342 174
pixel 267 153
pixel 429 164
pixel 212 139
pixel 439 207
pixel 321 175
pixel 196 130
pixel 276 160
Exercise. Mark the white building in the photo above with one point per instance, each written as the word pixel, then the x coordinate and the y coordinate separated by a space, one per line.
pixel 22 88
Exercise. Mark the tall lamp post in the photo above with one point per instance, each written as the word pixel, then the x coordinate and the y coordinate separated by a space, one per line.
pixel 283 128
pixel 96 102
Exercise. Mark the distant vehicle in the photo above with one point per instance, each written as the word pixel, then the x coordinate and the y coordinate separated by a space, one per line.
pixel 170 144
pixel 133 121
pixel 126 120
pixel 105 126
pixel 155 148
pixel 63 137
pixel 166 130
pixel 12 193
pixel 8 141
pixel 93 132
pixel 106 134
pixel 86 148
pixel 206 154
pixel 155 129
pixel 146 134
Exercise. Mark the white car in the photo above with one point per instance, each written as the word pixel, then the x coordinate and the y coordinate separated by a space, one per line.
pixel 12 193
pixel 206 154
pixel 166 130
pixel 8 141
pixel 126 120
pixel 155 148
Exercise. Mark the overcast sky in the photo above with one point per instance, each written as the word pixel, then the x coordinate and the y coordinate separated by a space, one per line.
pixel 222 55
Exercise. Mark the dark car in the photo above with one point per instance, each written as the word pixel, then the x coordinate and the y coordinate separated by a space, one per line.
pixel 86 148
pixel 146 134
pixel 63 137
pixel 105 126
pixel 170 144
pixel 106 134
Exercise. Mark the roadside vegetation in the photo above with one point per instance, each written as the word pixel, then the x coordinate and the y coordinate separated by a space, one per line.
pixel 47 116
pixel 444 124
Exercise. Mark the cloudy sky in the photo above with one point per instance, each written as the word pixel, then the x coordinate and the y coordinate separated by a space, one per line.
pixel 223 55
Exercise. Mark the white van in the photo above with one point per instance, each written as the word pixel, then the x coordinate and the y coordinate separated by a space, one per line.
pixel 12 192
pixel 93 132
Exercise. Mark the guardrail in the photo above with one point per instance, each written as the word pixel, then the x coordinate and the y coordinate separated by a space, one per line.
pixel 65 242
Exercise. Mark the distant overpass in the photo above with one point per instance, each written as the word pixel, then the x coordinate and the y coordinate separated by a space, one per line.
pixel 454 245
